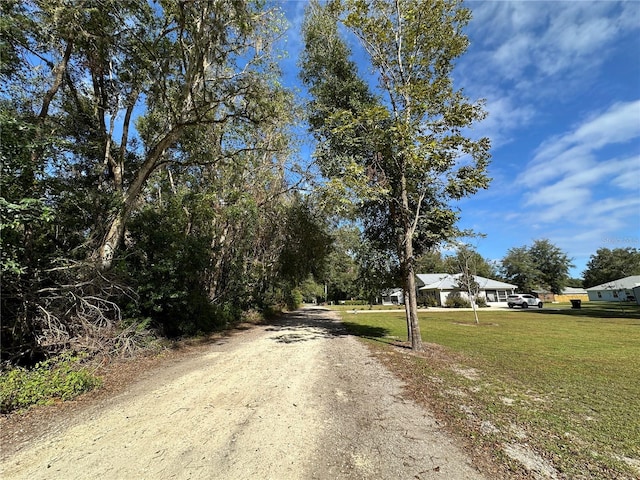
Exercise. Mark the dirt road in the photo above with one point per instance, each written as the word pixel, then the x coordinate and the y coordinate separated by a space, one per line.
pixel 297 400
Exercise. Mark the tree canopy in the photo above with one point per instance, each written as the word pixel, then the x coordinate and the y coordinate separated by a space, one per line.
pixel 607 265
pixel 542 266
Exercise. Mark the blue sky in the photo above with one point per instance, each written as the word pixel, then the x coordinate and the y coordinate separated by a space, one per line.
pixel 561 82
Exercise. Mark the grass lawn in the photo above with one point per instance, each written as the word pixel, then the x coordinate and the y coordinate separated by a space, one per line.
pixel 364 308
pixel 557 389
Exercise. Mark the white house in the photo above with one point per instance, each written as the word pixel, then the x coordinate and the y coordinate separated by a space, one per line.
pixel 636 293
pixel 393 296
pixel 440 285
pixel 615 291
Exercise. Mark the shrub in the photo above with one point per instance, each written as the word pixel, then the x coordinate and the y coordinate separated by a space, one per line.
pixel 455 300
pixel 355 302
pixel 59 377
pixel 481 302
pixel 429 301
pixel 294 299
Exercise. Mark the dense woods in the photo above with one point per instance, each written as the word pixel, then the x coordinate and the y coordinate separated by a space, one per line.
pixel 146 172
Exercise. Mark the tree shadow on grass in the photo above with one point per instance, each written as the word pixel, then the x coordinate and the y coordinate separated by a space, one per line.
pixel 366 331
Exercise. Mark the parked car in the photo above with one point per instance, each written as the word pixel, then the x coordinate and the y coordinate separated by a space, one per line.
pixel 523 300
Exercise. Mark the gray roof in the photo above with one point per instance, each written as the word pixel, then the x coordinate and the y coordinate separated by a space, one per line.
pixel 573 291
pixel 392 291
pixel 626 283
pixel 446 281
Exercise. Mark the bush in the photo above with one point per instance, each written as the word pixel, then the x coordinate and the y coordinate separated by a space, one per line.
pixel 429 301
pixel 455 300
pixel 355 302
pixel 481 302
pixel 294 299
pixel 57 378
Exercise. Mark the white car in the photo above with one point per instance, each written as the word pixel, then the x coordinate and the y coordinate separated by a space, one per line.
pixel 523 300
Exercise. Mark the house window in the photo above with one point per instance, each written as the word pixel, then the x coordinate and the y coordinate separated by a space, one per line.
pixel 615 294
pixel 599 294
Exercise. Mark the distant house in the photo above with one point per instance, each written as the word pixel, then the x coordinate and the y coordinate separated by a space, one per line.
pixel 568 294
pixel 438 286
pixel 616 291
pixel 393 296
pixel 572 293
pixel 636 293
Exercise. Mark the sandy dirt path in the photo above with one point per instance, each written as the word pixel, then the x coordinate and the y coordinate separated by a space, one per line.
pixel 300 399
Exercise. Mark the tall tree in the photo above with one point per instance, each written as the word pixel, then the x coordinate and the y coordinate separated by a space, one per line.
pixel 430 262
pixel 607 265
pixel 407 143
pixel 541 266
pixel 466 259
pixel 552 263
pixel 133 81
pixel 519 268
pixel 342 268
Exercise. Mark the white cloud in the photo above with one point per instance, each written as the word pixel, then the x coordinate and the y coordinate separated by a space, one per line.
pixel 576 182
pixel 539 40
pixel 573 152
pixel 504 117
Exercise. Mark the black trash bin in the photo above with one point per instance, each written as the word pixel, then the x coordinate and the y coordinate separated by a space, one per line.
pixel 576 303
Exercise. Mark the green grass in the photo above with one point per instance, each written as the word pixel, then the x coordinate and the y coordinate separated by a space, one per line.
pixel 364 308
pixel 564 381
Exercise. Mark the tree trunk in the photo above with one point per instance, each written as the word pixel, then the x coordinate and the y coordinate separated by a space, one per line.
pixel 407 261
pixel 115 232
pixel 411 302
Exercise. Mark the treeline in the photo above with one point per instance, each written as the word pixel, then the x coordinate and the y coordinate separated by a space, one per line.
pixel 147 182
pixel 357 273
pixel 539 266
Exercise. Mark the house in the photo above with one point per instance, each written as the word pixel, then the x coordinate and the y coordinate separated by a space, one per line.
pixel 572 293
pixel 393 296
pixel 636 293
pixel 615 291
pixel 436 287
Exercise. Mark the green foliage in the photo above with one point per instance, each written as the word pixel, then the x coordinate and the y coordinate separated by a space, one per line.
pixel 399 153
pixel 607 265
pixel 455 300
pixel 428 300
pixel 431 261
pixel 58 378
pixel 342 268
pixel 311 290
pixel 481 302
pixel 294 299
pixel 163 148
pixel 167 272
pixel 541 266
pixel 307 243
pixel 377 270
